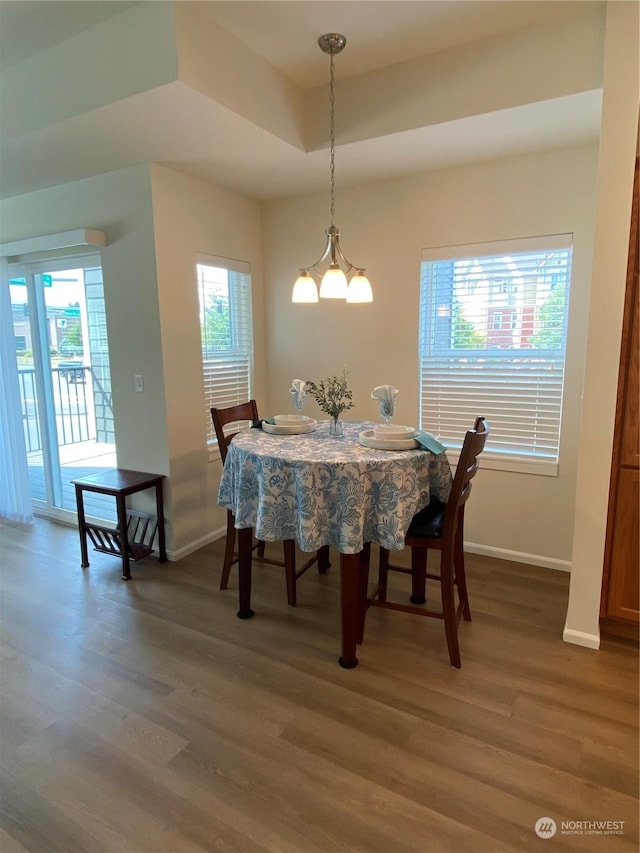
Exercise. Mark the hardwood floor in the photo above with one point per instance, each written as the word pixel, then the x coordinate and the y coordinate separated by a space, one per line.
pixel 144 717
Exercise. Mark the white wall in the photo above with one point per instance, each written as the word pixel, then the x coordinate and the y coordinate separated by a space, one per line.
pixel 191 217
pixel 385 226
pixel 156 222
pixel 118 203
pixel 618 142
pixel 118 58
pixel 479 78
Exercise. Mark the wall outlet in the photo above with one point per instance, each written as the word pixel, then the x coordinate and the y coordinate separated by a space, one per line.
pixel 138 382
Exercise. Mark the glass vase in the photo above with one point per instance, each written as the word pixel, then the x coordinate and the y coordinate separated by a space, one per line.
pixel 336 427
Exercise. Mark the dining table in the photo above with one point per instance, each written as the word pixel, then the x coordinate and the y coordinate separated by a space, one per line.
pixel 320 490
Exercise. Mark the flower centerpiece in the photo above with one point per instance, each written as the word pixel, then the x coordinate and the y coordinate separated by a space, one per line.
pixel 333 396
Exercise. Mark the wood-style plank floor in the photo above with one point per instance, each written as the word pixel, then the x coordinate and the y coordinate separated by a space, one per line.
pixel 144 717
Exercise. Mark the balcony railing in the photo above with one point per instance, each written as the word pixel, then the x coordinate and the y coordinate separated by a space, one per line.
pixel 75 394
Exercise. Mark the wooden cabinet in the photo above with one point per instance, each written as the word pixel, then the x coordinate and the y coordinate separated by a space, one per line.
pixel 630 439
pixel 622 600
pixel 620 588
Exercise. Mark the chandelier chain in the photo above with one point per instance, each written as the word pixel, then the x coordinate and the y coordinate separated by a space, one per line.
pixel 334 283
pixel 332 142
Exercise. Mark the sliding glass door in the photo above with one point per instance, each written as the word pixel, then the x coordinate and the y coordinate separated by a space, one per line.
pixel 65 385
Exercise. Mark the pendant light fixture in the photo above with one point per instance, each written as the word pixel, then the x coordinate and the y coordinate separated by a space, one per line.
pixel 334 283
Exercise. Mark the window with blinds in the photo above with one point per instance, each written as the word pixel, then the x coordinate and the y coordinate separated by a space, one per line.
pixel 226 325
pixel 493 324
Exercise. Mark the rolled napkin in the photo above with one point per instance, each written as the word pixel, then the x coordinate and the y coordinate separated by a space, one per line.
pixel 386 396
pixel 298 393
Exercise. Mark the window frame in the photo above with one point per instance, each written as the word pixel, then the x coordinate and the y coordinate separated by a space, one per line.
pixel 432 360
pixel 234 386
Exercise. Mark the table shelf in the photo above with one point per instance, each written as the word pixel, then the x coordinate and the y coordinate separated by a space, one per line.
pixel 133 536
pixel 141 532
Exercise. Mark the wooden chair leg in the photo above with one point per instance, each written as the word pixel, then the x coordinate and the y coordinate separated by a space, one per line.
pixel 460 577
pixel 449 607
pixel 363 580
pixel 323 559
pixel 290 570
pixel 418 575
pixel 229 546
pixel 383 574
pixel 260 549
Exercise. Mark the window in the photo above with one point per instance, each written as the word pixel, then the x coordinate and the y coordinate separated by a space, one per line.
pixel 224 290
pixel 472 363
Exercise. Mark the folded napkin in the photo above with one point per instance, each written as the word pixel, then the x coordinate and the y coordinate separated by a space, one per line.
pixel 298 393
pixel 386 396
pixel 427 441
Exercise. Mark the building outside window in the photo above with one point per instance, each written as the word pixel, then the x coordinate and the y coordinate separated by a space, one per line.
pixel 493 328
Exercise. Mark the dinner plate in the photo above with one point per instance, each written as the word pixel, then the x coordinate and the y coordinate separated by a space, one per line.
pixel 393 431
pixel 368 439
pixel 291 420
pixel 293 429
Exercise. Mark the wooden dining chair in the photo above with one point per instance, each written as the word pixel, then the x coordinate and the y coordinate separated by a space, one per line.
pixel 438 527
pixel 238 415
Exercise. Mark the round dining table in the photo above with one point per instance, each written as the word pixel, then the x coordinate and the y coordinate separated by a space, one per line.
pixel 321 490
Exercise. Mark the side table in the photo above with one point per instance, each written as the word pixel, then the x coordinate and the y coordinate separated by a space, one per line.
pixel 120 483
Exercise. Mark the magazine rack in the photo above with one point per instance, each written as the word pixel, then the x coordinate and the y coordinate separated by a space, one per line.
pixel 134 535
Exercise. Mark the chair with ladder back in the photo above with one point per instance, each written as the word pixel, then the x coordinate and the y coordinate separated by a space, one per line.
pixel 438 527
pixel 236 416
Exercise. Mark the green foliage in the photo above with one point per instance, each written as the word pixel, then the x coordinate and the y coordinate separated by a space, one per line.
pixel 74 336
pixel 217 325
pixel 332 395
pixel 550 317
pixel 465 335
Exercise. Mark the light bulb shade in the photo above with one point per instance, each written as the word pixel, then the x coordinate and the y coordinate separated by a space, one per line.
pixel 359 289
pixel 304 290
pixel 334 284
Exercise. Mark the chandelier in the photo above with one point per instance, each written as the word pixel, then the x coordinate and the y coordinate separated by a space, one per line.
pixel 334 283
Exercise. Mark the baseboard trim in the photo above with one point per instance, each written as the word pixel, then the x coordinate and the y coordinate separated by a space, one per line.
pixel 518 557
pixel 580 638
pixel 471 547
pixel 195 545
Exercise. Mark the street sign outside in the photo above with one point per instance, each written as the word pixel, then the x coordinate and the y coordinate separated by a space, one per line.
pixel 47 280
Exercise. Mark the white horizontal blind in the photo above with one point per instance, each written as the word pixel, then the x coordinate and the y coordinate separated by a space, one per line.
pixel 493 320
pixel 226 325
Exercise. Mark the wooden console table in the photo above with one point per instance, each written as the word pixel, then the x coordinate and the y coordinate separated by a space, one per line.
pixel 132 539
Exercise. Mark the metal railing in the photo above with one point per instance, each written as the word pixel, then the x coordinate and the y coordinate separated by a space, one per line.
pixel 74 404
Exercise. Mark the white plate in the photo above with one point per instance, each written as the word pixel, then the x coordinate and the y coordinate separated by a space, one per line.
pixel 368 439
pixel 293 429
pixel 392 431
pixel 290 420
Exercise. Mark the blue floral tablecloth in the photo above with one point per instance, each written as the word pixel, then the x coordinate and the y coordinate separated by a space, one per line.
pixel 321 490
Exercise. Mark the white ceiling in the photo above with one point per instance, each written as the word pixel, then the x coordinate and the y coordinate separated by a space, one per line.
pixel 250 160
pixel 285 32
pixel 379 33
pixel 28 27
